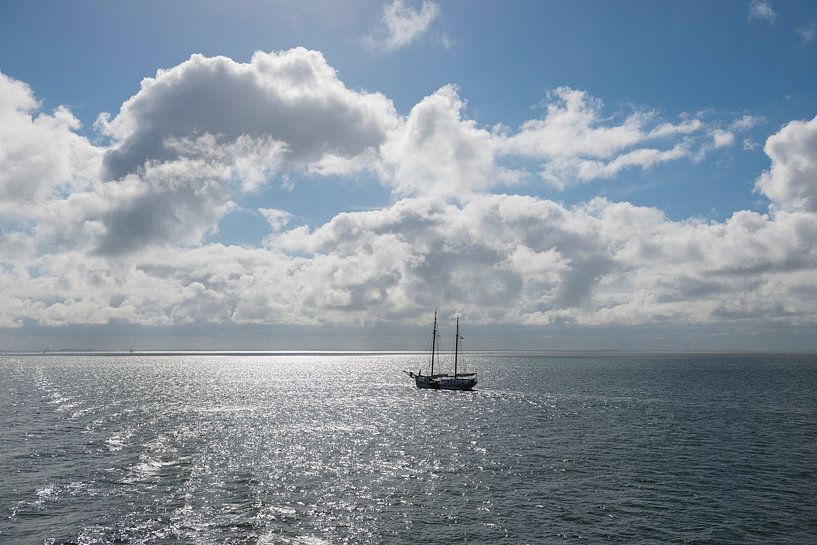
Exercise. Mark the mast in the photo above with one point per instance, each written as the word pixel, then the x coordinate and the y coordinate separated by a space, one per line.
pixel 456 345
pixel 433 341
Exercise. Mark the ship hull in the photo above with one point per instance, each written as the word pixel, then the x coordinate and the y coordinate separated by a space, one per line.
pixel 443 382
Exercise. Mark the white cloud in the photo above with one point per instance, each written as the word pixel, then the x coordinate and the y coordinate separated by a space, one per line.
pixel 276 218
pixel 572 127
pixel 497 258
pixel 291 100
pixel 17 245
pixel 129 246
pixel 761 10
pixel 438 152
pixel 746 122
pixel 40 153
pixel 249 161
pixel 807 34
pixel 722 138
pixel 791 182
pixel 402 25
pixel 199 133
pixel 577 143
pixel 643 158
pixel 177 202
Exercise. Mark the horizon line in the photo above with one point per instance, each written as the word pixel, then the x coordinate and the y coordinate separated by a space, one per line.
pixel 342 352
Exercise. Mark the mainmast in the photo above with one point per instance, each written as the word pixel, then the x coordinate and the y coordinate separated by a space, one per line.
pixel 456 345
pixel 433 341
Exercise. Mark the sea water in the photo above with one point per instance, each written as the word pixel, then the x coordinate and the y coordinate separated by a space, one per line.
pixel 313 449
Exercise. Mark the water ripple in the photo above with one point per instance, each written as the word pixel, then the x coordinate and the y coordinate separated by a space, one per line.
pixel 339 449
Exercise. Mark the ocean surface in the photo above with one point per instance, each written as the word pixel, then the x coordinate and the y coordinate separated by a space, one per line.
pixel 341 448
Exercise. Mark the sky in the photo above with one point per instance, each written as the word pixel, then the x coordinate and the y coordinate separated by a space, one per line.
pixel 322 175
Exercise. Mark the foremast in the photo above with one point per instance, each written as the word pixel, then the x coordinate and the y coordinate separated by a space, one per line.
pixel 456 345
pixel 433 341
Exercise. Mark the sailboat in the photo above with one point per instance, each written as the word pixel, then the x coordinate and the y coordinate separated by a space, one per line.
pixel 444 381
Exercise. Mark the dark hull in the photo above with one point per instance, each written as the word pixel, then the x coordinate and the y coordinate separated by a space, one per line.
pixel 444 382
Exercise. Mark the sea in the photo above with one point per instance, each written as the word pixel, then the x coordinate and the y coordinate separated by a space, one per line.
pixel 326 448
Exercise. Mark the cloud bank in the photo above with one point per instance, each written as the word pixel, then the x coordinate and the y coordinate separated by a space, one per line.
pixel 96 234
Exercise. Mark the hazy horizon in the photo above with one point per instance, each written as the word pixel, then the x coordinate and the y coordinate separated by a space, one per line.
pixel 387 337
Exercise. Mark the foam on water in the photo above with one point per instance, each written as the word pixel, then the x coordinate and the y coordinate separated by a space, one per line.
pixel 118 440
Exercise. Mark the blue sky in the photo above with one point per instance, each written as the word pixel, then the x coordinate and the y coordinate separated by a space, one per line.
pixel 719 77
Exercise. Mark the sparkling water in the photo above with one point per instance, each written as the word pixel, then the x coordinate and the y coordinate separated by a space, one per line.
pixel 313 449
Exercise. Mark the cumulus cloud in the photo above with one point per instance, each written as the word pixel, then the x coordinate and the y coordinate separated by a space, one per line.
pixel 290 100
pixel 182 147
pixel 761 10
pixel 401 25
pixel 198 133
pixel 288 111
pixel 437 151
pixel 168 203
pixel 210 127
pixel 791 182
pixel 41 154
pixel 577 143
